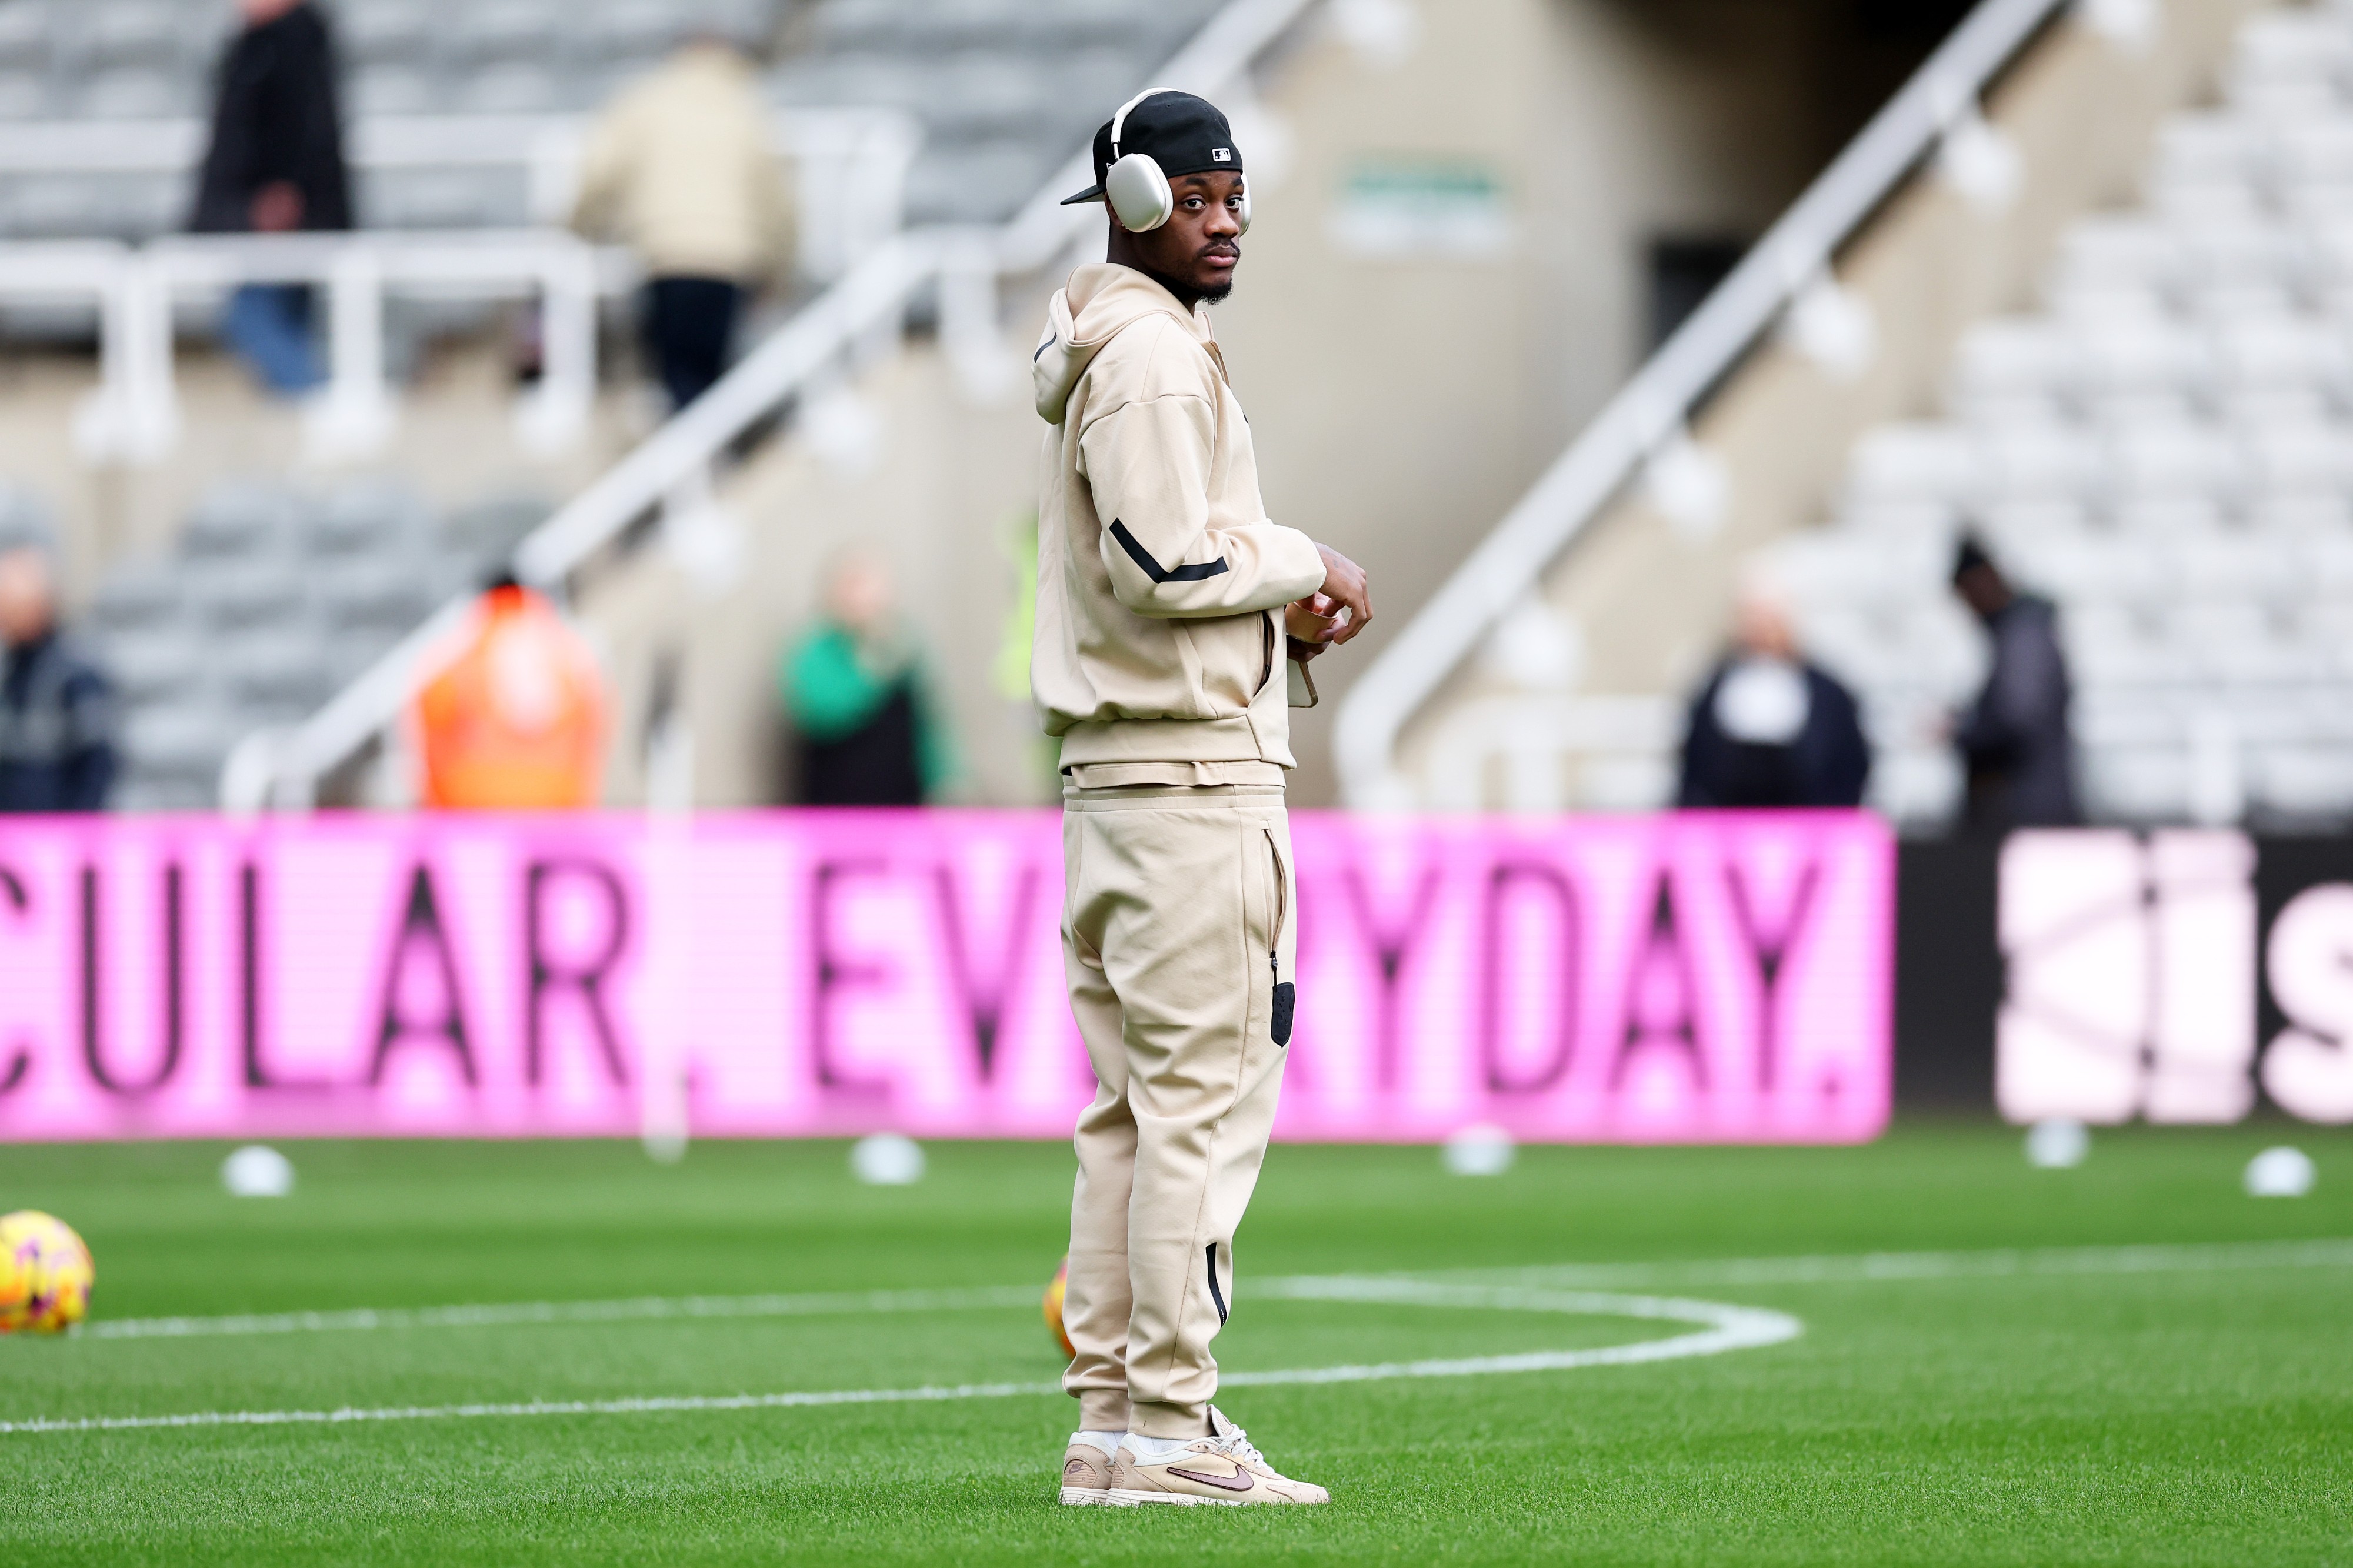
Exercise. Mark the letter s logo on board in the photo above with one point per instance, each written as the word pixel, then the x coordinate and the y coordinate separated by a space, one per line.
pixel 2309 961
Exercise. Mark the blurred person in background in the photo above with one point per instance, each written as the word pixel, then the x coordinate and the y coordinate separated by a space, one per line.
pixel 276 167
pixel 865 723
pixel 2013 740
pixel 517 716
pixel 681 169
pixel 1769 728
pixel 57 712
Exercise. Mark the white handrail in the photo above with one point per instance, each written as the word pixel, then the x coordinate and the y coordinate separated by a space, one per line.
pixel 872 296
pixel 853 162
pixel 1653 410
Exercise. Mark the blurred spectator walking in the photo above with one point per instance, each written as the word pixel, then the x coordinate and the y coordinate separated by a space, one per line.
pixel 681 168
pixel 57 712
pixel 275 166
pixel 516 717
pixel 864 720
pixel 1769 729
pixel 2014 740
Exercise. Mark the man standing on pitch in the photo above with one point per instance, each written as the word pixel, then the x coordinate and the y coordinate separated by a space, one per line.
pixel 1175 623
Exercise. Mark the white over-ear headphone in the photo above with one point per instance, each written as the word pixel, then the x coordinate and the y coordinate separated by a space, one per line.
pixel 1135 189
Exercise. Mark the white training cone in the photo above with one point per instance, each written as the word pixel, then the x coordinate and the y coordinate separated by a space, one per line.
pixel 1480 1150
pixel 2057 1143
pixel 887 1160
pixel 258 1171
pixel 2281 1173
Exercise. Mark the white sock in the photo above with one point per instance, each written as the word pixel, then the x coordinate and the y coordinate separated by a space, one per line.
pixel 1108 1442
pixel 1149 1449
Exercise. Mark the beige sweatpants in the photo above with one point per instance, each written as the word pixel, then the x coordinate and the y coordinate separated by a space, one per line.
pixel 1176 936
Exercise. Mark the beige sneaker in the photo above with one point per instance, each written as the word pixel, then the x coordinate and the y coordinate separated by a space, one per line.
pixel 1221 1469
pixel 1086 1476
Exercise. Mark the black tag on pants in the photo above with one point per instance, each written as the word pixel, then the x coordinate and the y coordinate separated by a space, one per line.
pixel 1285 998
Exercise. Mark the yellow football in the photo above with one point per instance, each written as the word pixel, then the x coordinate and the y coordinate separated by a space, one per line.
pixel 1054 1294
pixel 45 1274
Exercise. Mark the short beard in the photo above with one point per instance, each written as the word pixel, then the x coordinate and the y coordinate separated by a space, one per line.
pixel 1187 295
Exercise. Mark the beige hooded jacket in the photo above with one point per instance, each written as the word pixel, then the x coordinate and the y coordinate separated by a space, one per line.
pixel 1160 581
pixel 681 168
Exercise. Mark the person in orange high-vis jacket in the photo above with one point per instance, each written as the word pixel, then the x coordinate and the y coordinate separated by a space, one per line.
pixel 515 718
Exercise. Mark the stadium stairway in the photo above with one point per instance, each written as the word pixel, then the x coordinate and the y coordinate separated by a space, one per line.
pixel 2165 419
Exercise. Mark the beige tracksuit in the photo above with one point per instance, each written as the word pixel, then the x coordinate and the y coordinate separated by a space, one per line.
pixel 1158 662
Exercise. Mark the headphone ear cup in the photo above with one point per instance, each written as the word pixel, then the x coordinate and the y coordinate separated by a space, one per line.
pixel 1138 194
pixel 1241 218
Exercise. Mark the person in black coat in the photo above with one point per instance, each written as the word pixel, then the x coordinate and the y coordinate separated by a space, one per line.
pixel 1769 729
pixel 57 712
pixel 275 166
pixel 2014 740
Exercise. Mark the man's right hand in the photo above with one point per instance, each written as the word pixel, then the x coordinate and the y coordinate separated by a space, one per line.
pixel 277 208
pixel 1307 625
pixel 1344 584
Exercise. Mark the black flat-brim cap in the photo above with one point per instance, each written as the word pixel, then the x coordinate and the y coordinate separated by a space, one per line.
pixel 1184 135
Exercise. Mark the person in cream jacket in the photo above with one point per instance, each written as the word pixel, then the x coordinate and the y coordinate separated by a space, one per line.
pixel 1174 625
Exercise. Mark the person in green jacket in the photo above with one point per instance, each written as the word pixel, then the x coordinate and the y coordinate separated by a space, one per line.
pixel 866 724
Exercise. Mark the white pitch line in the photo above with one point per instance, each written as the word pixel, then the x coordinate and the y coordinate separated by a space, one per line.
pixel 1828 1269
pixel 1723 1328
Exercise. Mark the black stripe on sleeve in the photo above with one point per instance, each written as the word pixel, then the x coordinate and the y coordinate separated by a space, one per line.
pixel 1153 568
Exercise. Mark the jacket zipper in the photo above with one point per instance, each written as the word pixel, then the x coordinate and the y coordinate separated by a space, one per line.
pixel 1282 911
pixel 1266 640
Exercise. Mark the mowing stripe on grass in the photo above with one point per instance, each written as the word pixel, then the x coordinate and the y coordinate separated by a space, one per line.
pixel 2003 1263
pixel 1823 1270
pixel 1724 1328
pixel 504 1314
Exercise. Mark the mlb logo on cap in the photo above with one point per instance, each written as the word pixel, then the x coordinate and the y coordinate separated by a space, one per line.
pixel 1222 154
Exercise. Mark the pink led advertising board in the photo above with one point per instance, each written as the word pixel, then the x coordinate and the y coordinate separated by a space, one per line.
pixel 1706 977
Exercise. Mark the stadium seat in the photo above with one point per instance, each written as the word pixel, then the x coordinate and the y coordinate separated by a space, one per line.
pixel 368 31
pixel 509 87
pixel 165 663
pixel 2138 783
pixel 505 30
pixel 236 595
pixel 376 592
pixel 441 198
pixel 634 30
pixel 275 676
pixel 134 32
pixel 367 519
pixel 240 519
pixel 24 35
pixel 180 746
pixel 393 88
pixel 484 535
pixel 2303 783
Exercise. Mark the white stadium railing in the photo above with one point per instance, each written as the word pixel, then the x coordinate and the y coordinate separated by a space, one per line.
pixel 851 167
pixel 852 163
pixel 670 472
pixel 1645 426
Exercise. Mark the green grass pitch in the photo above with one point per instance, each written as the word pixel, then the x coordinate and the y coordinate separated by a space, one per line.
pixel 2190 1403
